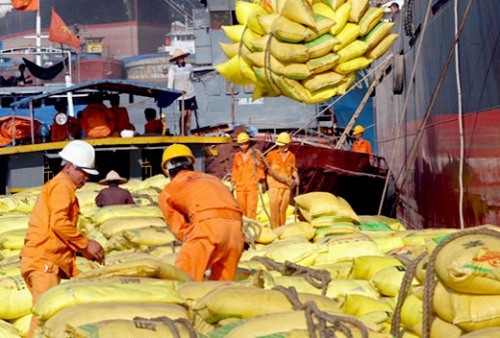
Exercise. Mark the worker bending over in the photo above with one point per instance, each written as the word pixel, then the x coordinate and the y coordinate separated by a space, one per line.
pixel 53 239
pixel 360 145
pixel 203 214
pixel 247 172
pixel 282 177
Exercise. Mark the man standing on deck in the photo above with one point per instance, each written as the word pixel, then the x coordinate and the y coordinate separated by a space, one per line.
pixel 203 214
pixel 283 177
pixel 122 120
pixel 360 145
pixel 180 75
pixel 247 172
pixel 53 239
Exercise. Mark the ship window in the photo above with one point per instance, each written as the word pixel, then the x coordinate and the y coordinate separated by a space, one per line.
pixel 231 88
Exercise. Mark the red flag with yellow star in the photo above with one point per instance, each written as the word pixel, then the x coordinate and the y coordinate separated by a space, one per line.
pixel 60 33
pixel 25 5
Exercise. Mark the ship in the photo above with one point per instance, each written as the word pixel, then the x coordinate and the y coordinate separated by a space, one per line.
pixel 437 114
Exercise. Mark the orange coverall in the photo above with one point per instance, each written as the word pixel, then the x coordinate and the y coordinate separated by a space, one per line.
pixel 97 121
pixel 283 164
pixel 203 214
pixel 246 174
pixel 121 118
pixel 52 238
pixel 362 146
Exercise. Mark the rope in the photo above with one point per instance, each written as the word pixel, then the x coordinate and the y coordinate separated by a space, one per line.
pixel 411 267
pixel 261 195
pixel 320 279
pixel 430 281
pixel 251 231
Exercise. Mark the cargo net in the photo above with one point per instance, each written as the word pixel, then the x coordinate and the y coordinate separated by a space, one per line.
pixel 323 324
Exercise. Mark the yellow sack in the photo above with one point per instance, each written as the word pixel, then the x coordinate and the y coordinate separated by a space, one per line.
pixel 341 288
pixel 376 35
pixel 335 4
pixel 485 333
pixel 348 247
pixel 22 324
pixel 468 312
pixel 114 211
pixel 325 204
pixel 91 313
pixel 321 45
pixel 469 264
pixel 253 21
pixel 292 89
pixel 324 9
pixel 231 70
pixel 358 9
pixel 348 34
pixel 114 226
pixel 248 36
pixel 235 302
pixel 323 26
pixel 230 49
pixel 322 64
pixel 138 327
pixel 234 32
pixel 388 281
pixel 359 305
pixel 346 83
pixel 247 71
pixel 149 236
pixel 299 11
pixel 339 270
pixel 382 46
pixel 291 250
pixel 283 51
pixel 288 31
pixel 303 229
pixel 13 239
pixel 365 267
pixel 341 17
pixel 352 50
pixel 70 294
pixel 267 79
pixel 16 297
pixel 146 267
pixel 294 71
pixel 267 235
pixel 412 316
pixel 353 65
pixel 13 223
pixel 243 10
pixel 371 18
pixel 8 330
pixel 194 291
pixel 266 22
pixel 323 80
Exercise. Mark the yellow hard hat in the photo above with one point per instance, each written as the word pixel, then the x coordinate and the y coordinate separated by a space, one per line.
pixel 242 138
pixel 283 139
pixel 174 151
pixel 358 130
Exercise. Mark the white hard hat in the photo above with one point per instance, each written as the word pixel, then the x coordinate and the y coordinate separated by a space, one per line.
pixel 81 154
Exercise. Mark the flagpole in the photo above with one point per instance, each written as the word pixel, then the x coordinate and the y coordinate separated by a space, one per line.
pixel 38 29
pixel 67 80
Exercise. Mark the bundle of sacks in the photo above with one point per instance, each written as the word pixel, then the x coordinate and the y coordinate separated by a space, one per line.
pixel 306 50
pixel 140 293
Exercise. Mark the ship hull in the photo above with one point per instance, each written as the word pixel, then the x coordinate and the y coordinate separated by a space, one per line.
pixel 445 174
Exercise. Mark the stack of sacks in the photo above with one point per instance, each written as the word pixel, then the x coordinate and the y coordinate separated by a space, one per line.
pixel 263 211
pixel 12 232
pixel 306 50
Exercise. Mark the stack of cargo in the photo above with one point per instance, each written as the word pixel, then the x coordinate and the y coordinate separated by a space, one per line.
pixel 331 267
pixel 306 50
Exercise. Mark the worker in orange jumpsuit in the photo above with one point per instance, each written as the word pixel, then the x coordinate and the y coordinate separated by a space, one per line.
pixel 120 114
pixel 360 145
pixel 64 127
pixel 153 126
pixel 97 120
pixel 203 214
pixel 52 238
pixel 282 177
pixel 247 172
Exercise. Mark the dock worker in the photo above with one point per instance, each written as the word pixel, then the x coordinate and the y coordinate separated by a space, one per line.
pixel 281 178
pixel 97 120
pixel 120 114
pixel 203 214
pixel 180 76
pixel 246 174
pixel 53 238
pixel 64 127
pixel 113 194
pixel 360 145
pixel 153 125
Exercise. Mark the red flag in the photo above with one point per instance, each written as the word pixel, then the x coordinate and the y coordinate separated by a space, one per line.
pixel 60 33
pixel 25 5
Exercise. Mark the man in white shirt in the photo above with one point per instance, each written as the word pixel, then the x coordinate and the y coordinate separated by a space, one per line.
pixel 179 77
